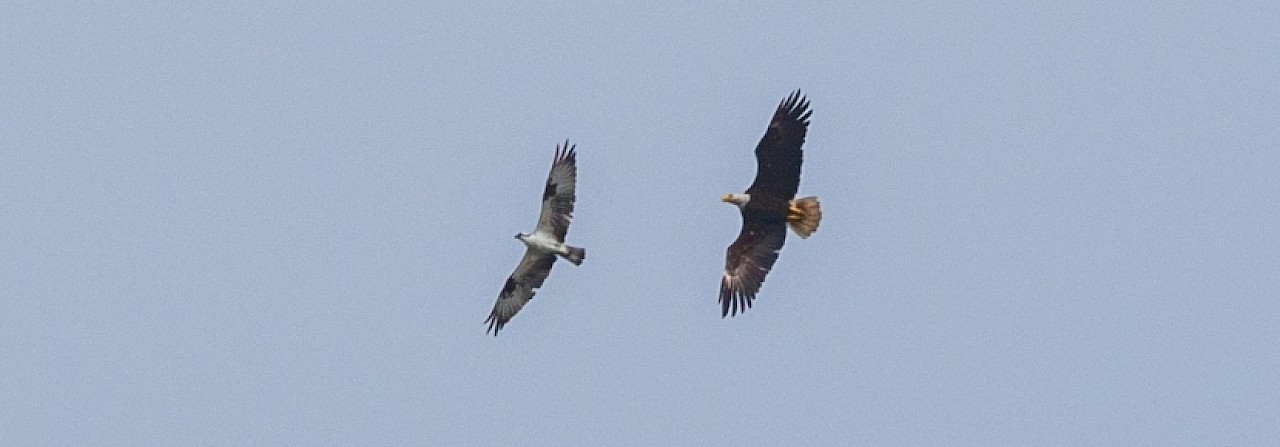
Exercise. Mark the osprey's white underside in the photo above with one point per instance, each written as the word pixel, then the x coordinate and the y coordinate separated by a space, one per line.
pixel 544 242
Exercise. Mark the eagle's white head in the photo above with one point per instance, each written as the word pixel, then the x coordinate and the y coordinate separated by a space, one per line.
pixel 736 199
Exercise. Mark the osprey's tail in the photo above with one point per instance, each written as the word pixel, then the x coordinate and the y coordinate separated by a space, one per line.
pixel 574 254
pixel 804 215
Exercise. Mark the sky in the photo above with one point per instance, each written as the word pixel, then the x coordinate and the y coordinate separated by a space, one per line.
pixel 1045 223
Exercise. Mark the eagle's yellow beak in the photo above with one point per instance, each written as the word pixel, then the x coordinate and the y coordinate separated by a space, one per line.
pixel 725 198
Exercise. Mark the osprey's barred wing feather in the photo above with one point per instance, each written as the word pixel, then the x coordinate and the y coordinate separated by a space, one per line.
pixel 558 195
pixel 747 262
pixel 519 288
pixel 778 155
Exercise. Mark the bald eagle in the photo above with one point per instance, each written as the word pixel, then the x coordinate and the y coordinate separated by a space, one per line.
pixel 545 243
pixel 769 206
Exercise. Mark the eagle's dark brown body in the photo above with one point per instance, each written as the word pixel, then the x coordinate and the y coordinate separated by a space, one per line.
pixel 769 206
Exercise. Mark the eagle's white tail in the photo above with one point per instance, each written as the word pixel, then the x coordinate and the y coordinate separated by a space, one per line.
pixel 574 254
pixel 804 216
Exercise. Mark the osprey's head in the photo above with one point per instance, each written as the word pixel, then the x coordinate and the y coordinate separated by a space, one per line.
pixel 736 199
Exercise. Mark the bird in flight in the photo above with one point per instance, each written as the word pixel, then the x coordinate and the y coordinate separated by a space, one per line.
pixel 545 243
pixel 769 206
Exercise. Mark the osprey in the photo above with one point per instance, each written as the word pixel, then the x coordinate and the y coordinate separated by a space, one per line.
pixel 545 243
pixel 769 206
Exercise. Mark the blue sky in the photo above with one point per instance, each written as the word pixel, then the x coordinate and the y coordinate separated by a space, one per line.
pixel 1045 223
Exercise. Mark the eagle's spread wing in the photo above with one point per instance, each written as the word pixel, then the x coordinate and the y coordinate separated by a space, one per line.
pixel 778 156
pixel 519 289
pixel 558 196
pixel 747 262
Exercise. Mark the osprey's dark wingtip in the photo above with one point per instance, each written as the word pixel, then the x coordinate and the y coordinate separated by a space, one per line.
pixel 565 152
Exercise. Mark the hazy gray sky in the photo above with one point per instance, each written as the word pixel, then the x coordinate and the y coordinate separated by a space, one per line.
pixel 1045 224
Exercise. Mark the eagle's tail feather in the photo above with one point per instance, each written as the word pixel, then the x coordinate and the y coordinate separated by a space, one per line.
pixel 574 254
pixel 804 216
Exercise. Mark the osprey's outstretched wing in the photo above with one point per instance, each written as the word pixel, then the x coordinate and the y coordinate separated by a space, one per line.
pixel 558 196
pixel 519 288
pixel 778 155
